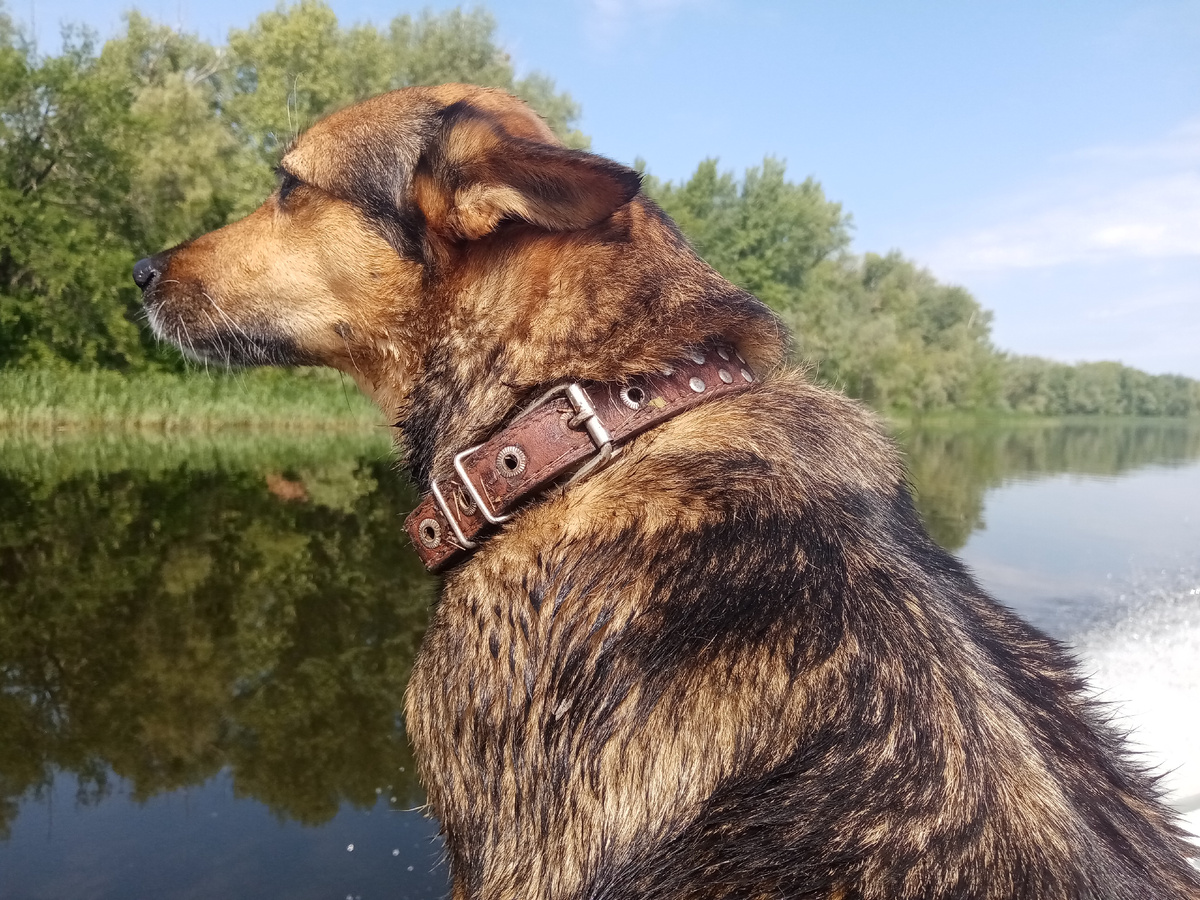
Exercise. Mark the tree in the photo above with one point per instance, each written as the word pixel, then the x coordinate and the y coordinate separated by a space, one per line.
pixel 191 171
pixel 912 344
pixel 295 64
pixel 1042 386
pixel 876 326
pixel 65 222
pixel 107 156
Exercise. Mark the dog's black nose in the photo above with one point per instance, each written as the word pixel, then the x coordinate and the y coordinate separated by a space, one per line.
pixel 145 271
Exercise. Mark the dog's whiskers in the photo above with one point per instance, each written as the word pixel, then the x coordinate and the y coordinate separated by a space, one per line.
pixel 225 352
pixel 191 345
pixel 249 346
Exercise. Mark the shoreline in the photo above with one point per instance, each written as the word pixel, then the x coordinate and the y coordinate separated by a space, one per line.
pixel 61 401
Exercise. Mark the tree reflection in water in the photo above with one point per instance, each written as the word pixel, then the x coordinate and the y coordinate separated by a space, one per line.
pixel 954 464
pixel 250 604
pixel 165 622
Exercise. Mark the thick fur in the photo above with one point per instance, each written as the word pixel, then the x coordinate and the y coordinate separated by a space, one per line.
pixel 732 664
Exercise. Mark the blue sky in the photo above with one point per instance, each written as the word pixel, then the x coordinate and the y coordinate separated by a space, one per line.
pixel 1044 155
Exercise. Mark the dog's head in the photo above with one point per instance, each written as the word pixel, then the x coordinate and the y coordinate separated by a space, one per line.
pixel 432 239
pixel 376 207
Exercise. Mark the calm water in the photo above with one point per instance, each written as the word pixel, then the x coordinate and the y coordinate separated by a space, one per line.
pixel 204 645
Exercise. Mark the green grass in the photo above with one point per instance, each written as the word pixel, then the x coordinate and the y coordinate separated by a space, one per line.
pixel 66 454
pixel 294 401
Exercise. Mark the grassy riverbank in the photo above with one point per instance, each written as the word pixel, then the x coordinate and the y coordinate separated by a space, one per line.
pixel 297 400
pixel 303 400
pixel 56 455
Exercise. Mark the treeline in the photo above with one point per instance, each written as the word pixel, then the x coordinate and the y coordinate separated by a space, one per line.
pixel 110 152
pixel 880 327
pixel 1033 385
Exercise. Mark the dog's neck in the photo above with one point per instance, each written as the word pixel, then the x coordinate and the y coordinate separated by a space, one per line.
pixel 528 310
pixel 568 432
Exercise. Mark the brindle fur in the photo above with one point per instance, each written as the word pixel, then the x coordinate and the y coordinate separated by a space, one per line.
pixel 732 664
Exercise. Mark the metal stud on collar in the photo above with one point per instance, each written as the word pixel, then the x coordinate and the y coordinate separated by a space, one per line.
pixel 431 532
pixel 510 462
pixel 633 396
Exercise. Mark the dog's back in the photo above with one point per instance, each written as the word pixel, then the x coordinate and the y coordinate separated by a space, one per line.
pixel 738 666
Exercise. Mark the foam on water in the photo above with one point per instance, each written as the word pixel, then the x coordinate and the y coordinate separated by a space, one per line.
pixel 1146 664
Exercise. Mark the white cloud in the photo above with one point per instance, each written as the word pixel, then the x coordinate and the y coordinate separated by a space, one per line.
pixel 1108 203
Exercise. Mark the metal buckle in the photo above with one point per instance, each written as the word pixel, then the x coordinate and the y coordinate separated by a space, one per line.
pixel 585 415
pixel 445 507
pixel 472 490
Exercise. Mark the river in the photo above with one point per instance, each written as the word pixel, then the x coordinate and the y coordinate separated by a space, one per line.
pixel 204 641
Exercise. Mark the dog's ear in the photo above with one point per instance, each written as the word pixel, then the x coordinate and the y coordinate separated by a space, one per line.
pixel 476 175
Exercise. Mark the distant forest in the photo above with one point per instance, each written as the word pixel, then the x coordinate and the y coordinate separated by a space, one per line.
pixel 110 152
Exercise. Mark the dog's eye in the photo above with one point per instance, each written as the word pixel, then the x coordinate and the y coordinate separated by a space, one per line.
pixel 287 183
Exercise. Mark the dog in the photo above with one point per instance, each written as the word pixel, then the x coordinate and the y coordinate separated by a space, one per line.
pixel 712 653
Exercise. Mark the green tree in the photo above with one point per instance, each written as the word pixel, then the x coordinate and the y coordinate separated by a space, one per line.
pixel 108 155
pixel 461 46
pixel 65 221
pixel 904 341
pixel 192 172
pixel 764 233
pixel 876 326
pixel 1030 384
pixel 296 63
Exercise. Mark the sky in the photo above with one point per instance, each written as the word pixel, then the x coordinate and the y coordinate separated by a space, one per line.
pixel 1046 156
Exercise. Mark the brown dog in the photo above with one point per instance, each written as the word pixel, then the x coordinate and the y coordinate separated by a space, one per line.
pixel 730 663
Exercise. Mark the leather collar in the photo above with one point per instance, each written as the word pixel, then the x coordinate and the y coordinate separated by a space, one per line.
pixel 570 431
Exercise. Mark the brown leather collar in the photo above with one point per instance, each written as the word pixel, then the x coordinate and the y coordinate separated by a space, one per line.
pixel 572 429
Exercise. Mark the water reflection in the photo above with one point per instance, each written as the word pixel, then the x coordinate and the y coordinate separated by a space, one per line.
pixel 161 625
pixel 241 613
pixel 953 465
